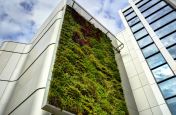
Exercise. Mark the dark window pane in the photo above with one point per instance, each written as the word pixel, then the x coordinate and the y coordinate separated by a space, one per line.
pixel 145 41
pixel 172 51
pixel 169 40
pixel 154 8
pixel 128 11
pixel 140 34
pixel 141 3
pixel 159 14
pixel 155 60
pixel 130 16
pixel 162 73
pixel 137 27
pixel 150 50
pixel 172 105
pixel 133 21
pixel 166 29
pixel 168 87
pixel 168 18
pixel 146 6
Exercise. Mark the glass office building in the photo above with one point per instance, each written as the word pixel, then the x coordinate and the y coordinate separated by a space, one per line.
pixel 152 25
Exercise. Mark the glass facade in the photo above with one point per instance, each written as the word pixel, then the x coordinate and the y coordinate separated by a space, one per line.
pixel 148 5
pixel 169 40
pixel 163 72
pixel 136 27
pixel 168 87
pixel 154 9
pixel 140 33
pixel 157 15
pixel 150 50
pixel 162 18
pixel 172 105
pixel 145 41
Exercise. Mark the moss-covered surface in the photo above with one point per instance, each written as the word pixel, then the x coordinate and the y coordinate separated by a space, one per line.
pixel 85 78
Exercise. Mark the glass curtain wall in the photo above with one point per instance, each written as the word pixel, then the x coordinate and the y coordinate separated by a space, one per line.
pixel 160 69
pixel 162 19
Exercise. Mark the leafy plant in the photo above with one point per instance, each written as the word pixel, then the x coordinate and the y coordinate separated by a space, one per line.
pixel 85 77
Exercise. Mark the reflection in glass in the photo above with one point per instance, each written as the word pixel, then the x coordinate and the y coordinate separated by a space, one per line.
pixel 141 3
pixel 150 50
pixel 172 105
pixel 146 6
pixel 130 16
pixel 133 21
pixel 166 29
pixel 155 60
pixel 168 87
pixel 162 73
pixel 168 18
pixel 128 11
pixel 137 27
pixel 169 40
pixel 145 41
pixel 159 14
pixel 140 34
pixel 172 51
pixel 154 8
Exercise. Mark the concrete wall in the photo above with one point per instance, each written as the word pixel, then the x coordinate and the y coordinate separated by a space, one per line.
pixel 25 68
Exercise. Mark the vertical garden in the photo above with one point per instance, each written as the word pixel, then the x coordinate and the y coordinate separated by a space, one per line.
pixel 85 78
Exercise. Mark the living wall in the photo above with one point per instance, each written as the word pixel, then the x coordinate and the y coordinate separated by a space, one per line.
pixel 85 77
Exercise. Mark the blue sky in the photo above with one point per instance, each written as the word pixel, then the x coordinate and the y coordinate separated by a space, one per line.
pixel 20 19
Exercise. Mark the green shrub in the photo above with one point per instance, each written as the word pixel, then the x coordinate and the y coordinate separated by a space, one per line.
pixel 85 78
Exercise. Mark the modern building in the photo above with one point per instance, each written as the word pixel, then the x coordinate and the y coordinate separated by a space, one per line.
pixel 150 54
pixel 145 52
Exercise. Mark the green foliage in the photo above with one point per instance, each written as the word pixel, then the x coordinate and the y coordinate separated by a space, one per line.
pixel 85 77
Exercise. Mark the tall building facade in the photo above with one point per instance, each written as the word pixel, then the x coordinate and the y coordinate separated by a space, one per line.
pixel 150 54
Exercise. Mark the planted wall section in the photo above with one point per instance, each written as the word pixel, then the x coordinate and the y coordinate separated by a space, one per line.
pixel 85 78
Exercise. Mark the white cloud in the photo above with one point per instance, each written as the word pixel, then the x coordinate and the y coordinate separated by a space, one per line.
pixel 20 19
pixel 106 11
pixel 19 24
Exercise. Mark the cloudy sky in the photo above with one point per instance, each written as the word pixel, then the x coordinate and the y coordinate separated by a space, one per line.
pixel 20 19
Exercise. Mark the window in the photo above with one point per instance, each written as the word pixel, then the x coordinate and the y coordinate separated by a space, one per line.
pixel 172 105
pixel 145 41
pixel 167 29
pixel 149 4
pixel 162 73
pixel 133 21
pixel 159 14
pixel 140 33
pixel 155 61
pixel 130 16
pixel 137 27
pixel 149 50
pixel 128 11
pixel 169 40
pixel 168 18
pixel 168 87
pixel 172 51
pixel 154 8
pixel 141 3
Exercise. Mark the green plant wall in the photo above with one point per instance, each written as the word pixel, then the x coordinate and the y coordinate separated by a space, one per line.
pixel 85 77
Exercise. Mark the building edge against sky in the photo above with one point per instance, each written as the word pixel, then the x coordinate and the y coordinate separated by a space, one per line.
pixel 149 54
